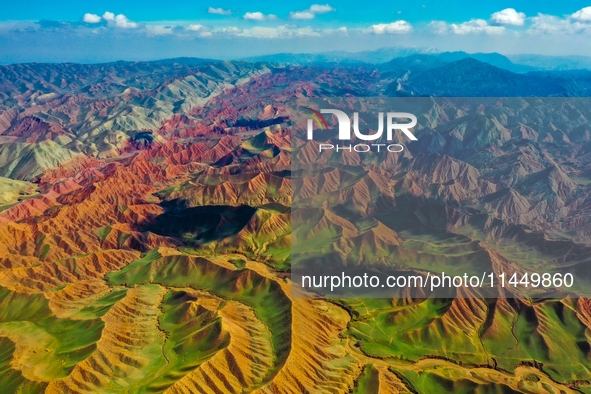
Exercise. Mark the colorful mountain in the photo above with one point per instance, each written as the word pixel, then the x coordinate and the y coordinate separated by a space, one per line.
pixel 146 230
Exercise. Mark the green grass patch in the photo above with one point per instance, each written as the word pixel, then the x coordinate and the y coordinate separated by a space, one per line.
pixel 368 381
pixel 263 295
pixel 103 233
pixel 44 251
pixel 193 336
pixel 429 382
pixel 54 345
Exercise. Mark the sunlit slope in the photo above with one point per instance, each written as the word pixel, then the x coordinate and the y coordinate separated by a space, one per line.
pixel 26 161
pixel 13 191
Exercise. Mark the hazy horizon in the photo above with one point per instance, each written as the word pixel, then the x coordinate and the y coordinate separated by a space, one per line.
pixel 97 32
pixel 428 51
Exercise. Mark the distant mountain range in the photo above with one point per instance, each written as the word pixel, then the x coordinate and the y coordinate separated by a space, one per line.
pixel 515 63
pixel 553 62
pixel 377 56
pixel 424 71
pixel 419 75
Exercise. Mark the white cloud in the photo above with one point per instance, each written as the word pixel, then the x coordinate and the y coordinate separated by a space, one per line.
pixel 342 29
pixel 302 15
pixel 119 21
pixel 582 15
pixel 202 31
pixel 218 11
pixel 553 25
pixel 254 16
pixel 258 16
pixel 311 12
pixel 91 18
pixel 398 27
pixel 548 24
pixel 158 30
pixel 475 26
pixel 320 8
pixel 509 16
pixel 232 31
pixel 122 21
pixel 195 27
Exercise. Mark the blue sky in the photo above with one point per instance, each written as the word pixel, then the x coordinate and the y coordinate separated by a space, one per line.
pixel 94 31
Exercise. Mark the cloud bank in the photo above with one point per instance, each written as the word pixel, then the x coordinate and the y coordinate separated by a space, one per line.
pixel 398 27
